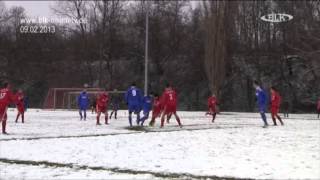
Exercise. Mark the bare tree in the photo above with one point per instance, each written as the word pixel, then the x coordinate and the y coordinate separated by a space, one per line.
pixel 77 10
pixel 3 13
pixel 215 43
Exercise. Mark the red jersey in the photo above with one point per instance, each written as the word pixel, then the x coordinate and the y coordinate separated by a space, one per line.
pixel 156 105
pixel 212 102
pixel 275 99
pixel 19 97
pixel 6 97
pixel 169 97
pixel 103 100
pixel 318 105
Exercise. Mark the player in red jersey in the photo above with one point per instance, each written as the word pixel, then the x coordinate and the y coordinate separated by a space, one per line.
pixel 102 104
pixel 212 103
pixel 6 98
pixel 161 102
pixel 169 99
pixel 156 109
pixel 20 105
pixel 275 105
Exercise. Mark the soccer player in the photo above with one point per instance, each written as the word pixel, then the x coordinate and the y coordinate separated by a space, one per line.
pixel 169 99
pixel 285 107
pixel 146 106
pixel 115 101
pixel 102 104
pixel 133 99
pixel 83 103
pixel 318 107
pixel 212 102
pixel 275 105
pixel 262 102
pixel 6 98
pixel 156 109
pixel 20 105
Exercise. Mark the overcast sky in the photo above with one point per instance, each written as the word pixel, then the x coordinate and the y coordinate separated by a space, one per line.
pixel 37 8
pixel 33 8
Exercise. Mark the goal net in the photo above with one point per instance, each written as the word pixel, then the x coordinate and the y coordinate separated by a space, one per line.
pixel 66 98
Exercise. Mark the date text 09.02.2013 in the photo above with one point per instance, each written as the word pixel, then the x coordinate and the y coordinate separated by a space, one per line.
pixel 37 29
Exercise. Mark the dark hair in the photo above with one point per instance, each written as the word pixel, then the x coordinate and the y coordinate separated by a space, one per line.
pixel 273 88
pixel 133 84
pixel 168 84
pixel 256 83
pixel 156 95
pixel 5 84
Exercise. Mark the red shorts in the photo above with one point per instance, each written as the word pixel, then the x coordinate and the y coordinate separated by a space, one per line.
pixel 212 110
pixel 168 109
pixel 102 109
pixel 274 110
pixel 20 108
pixel 156 113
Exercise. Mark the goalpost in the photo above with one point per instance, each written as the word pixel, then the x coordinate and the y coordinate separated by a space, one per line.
pixel 66 98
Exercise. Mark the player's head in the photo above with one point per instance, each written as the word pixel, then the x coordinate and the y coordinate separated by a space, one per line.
pixel 273 89
pixel 156 95
pixel 213 95
pixel 256 84
pixel 168 85
pixel 133 84
pixel 5 85
pixel 20 90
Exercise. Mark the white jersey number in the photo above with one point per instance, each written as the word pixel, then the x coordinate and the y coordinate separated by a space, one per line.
pixel 170 97
pixel 134 92
pixel 2 95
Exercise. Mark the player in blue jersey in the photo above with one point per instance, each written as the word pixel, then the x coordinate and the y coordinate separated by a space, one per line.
pixel 262 102
pixel 83 103
pixel 133 98
pixel 146 107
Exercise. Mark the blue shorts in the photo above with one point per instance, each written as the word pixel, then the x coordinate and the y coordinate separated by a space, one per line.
pixel 115 107
pixel 262 109
pixel 83 108
pixel 134 108
pixel 146 111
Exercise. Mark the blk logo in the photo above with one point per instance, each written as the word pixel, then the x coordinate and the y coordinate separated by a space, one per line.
pixel 276 17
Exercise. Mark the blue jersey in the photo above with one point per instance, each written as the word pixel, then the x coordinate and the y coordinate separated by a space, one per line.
pixel 147 103
pixel 133 96
pixel 261 98
pixel 83 100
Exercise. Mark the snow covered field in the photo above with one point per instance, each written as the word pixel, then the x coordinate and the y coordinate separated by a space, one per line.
pixel 56 145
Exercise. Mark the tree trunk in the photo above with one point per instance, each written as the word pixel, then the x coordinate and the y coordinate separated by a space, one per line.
pixel 215 45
